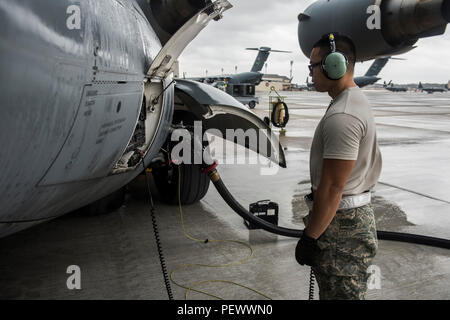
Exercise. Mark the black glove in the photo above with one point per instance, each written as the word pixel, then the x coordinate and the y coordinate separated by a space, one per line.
pixel 306 250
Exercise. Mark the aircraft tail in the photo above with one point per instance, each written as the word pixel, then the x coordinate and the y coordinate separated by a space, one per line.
pixel 263 55
pixel 376 67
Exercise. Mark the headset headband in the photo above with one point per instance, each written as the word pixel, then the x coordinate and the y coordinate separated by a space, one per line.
pixel 332 43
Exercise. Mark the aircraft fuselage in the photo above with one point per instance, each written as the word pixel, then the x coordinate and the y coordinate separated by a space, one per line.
pixel 71 95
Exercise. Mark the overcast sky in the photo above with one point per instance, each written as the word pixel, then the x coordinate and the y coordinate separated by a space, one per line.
pixel 257 23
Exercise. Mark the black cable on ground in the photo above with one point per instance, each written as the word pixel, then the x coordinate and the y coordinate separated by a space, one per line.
pixel 158 242
pixel 312 278
pixel 293 233
pixel 207 241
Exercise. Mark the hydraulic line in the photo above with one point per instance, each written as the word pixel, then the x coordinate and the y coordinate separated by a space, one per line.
pixel 293 233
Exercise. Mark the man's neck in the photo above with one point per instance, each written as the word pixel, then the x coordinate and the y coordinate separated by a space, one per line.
pixel 340 87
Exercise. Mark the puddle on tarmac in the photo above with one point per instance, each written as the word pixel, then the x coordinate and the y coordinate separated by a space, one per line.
pixel 388 215
pixel 299 207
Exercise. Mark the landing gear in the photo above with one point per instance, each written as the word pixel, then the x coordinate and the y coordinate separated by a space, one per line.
pixel 194 183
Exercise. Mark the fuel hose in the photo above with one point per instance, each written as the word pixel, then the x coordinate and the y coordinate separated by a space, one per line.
pixel 294 233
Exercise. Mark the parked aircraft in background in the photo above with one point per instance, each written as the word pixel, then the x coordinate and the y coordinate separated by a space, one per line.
pixel 371 75
pixel 432 89
pixel 242 85
pixel 391 87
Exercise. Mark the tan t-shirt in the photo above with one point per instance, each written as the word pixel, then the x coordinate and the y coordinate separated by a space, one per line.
pixel 347 132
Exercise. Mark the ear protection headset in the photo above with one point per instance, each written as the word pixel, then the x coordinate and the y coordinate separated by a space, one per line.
pixel 334 65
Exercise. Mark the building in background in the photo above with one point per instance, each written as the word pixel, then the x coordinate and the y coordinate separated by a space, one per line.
pixel 280 83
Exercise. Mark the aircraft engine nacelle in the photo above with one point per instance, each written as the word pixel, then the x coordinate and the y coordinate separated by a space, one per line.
pixel 167 16
pixel 377 27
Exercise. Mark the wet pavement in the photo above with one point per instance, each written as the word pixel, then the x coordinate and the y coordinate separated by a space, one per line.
pixel 117 254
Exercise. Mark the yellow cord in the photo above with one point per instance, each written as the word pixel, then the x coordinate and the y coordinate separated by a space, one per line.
pixel 196 284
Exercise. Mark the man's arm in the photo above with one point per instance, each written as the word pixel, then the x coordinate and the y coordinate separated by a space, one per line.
pixel 328 195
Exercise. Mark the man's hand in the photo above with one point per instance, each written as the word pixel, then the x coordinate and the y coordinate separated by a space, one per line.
pixel 306 250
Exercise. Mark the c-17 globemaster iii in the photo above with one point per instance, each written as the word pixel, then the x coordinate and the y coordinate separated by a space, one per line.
pixel 242 85
pixel 392 87
pixel 432 89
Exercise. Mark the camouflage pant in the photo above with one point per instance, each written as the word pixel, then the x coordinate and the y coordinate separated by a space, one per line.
pixel 347 248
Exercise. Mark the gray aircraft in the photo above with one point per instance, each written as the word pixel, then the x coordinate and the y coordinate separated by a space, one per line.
pixel 242 85
pixel 88 102
pixel 392 87
pixel 391 29
pixel 371 75
pixel 431 90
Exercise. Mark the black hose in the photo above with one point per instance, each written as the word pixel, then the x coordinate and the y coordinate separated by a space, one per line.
pixel 240 210
pixel 414 238
pixel 293 233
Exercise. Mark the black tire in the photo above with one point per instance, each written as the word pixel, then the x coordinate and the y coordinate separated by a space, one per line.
pixel 194 184
pixel 252 104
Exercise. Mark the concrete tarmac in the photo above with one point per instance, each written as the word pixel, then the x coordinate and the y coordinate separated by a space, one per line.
pixel 117 256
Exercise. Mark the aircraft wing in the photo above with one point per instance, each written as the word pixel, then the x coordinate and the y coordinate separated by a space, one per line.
pixel 220 111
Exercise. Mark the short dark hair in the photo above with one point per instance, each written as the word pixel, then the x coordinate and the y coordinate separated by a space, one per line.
pixel 343 44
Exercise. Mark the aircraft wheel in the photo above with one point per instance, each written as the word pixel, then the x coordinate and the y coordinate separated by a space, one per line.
pixel 194 183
